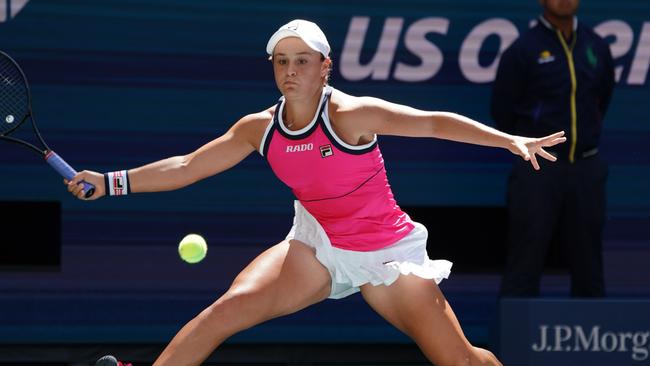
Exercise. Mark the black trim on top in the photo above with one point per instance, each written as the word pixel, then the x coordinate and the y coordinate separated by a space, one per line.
pixel 308 132
pixel 330 135
pixel 333 140
pixel 267 140
pixel 319 121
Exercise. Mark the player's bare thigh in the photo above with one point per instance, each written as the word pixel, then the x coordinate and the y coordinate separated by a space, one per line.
pixel 417 307
pixel 284 279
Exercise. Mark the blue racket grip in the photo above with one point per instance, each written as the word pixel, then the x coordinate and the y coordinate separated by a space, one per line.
pixel 66 171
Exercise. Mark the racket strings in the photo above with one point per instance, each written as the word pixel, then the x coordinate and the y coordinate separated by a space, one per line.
pixel 14 96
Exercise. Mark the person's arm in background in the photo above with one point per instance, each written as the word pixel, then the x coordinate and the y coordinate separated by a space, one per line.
pixel 507 90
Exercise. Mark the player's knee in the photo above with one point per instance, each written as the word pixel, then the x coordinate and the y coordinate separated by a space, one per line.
pixel 470 356
pixel 457 358
pixel 485 357
pixel 462 360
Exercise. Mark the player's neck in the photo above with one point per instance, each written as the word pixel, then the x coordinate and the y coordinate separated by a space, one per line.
pixel 299 113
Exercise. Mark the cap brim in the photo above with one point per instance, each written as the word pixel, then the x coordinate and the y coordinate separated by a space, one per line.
pixel 284 33
pixel 280 35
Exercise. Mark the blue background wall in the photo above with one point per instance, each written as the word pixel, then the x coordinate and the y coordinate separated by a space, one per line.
pixel 118 83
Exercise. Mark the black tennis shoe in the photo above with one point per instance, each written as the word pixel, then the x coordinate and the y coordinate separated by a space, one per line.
pixel 109 360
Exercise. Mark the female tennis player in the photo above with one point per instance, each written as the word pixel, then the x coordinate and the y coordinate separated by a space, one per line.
pixel 349 234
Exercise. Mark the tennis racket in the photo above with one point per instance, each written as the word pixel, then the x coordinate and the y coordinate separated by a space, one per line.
pixel 16 108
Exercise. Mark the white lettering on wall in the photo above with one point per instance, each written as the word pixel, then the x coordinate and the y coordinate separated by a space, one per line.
pixel 385 63
pixel 641 61
pixel 623 39
pixel 566 338
pixel 379 67
pixel 430 55
pixel 471 47
pixel 584 343
pixel 9 9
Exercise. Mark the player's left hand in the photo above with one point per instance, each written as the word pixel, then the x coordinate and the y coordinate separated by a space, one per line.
pixel 528 148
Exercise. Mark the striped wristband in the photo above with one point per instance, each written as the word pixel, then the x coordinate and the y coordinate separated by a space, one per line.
pixel 117 183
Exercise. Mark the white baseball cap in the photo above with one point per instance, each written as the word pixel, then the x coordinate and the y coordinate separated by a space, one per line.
pixel 308 31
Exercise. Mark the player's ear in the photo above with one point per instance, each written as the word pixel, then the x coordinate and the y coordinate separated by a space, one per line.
pixel 325 67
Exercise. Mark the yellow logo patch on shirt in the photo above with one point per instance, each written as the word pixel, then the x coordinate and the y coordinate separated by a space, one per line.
pixel 545 57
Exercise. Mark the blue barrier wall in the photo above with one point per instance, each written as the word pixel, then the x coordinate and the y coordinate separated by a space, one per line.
pixel 119 83
pixel 574 332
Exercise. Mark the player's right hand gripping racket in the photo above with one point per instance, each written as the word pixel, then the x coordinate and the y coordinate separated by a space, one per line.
pixel 16 108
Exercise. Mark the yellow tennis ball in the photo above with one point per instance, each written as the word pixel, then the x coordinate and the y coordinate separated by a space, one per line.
pixel 192 248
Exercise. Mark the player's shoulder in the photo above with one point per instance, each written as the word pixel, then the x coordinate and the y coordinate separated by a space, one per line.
pixel 341 102
pixel 256 121
pixel 261 117
pixel 356 113
pixel 251 126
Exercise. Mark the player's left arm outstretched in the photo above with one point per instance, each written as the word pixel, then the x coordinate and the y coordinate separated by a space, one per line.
pixel 377 116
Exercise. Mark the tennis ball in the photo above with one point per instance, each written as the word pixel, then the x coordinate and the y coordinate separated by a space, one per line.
pixel 192 248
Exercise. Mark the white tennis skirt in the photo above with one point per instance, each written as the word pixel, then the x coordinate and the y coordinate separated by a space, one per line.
pixel 351 269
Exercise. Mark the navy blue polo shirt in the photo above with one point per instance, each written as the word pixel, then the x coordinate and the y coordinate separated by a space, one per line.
pixel 546 83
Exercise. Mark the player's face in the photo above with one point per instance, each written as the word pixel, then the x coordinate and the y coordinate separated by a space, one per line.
pixel 561 8
pixel 298 68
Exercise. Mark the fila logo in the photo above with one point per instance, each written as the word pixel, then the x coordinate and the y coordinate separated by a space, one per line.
pixel 10 8
pixel 326 150
pixel 300 148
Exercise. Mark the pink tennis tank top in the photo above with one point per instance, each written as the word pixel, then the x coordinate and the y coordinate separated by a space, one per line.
pixel 344 187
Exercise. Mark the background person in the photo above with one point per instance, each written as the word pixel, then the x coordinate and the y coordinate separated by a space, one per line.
pixel 559 75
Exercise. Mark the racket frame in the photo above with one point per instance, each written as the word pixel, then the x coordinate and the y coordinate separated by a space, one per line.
pixel 52 158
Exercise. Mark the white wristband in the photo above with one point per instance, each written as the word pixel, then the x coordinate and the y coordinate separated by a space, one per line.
pixel 117 183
